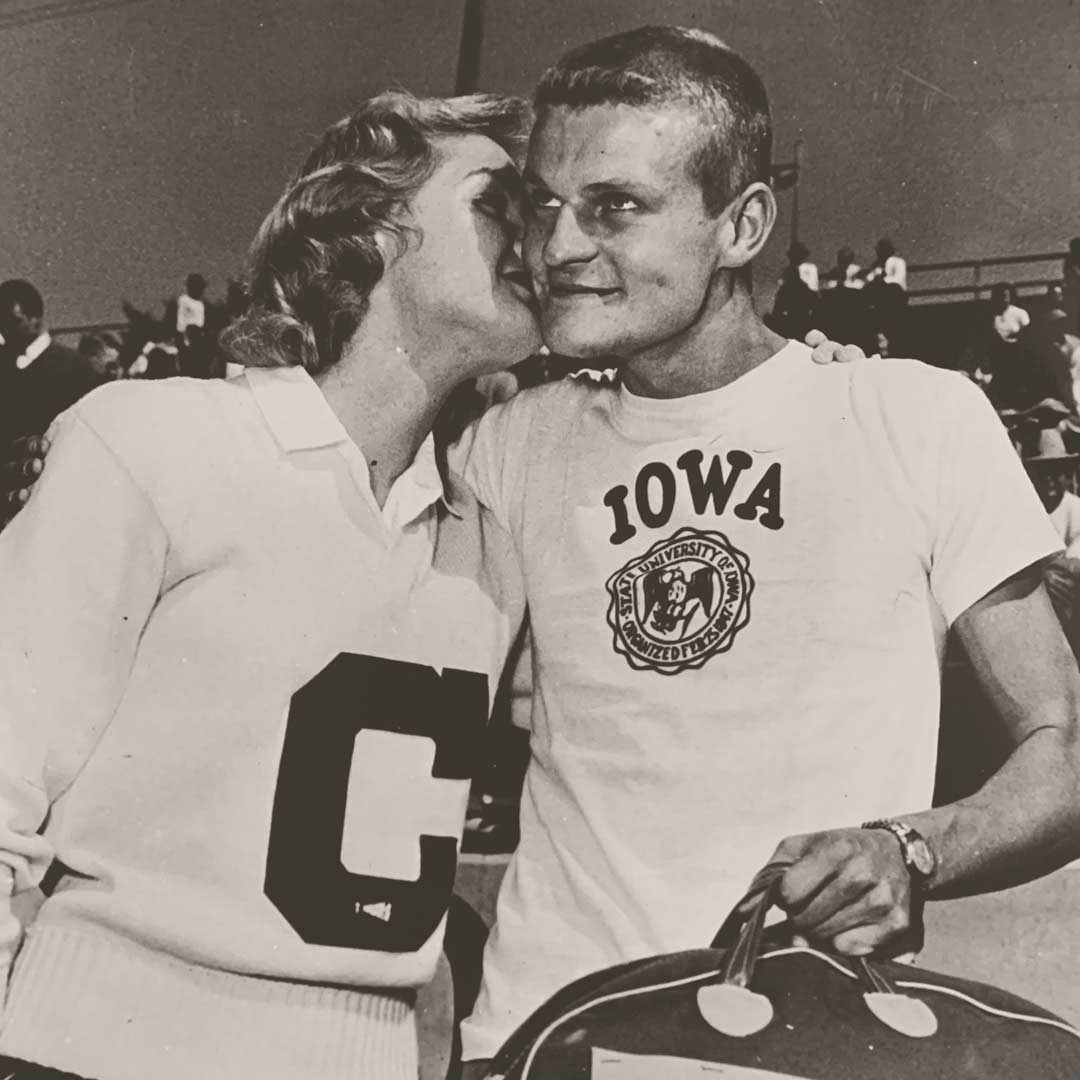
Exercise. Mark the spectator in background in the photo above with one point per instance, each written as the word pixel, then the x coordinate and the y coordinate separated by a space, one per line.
pixel 103 355
pixel 1015 376
pixel 889 267
pixel 1053 298
pixel 845 274
pixel 237 301
pixel 886 291
pixel 1047 351
pixel 39 378
pixel 190 308
pixel 804 269
pixel 1034 366
pixel 797 296
pixel 842 313
pixel 1009 319
pixel 156 360
pixel 1070 279
pixel 200 357
pixel 1053 473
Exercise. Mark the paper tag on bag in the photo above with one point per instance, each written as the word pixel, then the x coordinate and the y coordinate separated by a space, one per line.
pixel 615 1065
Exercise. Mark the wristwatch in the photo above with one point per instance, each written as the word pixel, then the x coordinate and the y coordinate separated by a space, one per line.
pixel 919 857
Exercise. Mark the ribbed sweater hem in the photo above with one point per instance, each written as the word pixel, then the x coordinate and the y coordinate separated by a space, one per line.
pixel 102 1007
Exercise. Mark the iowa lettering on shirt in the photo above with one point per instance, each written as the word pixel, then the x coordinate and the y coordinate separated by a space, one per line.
pixel 710 492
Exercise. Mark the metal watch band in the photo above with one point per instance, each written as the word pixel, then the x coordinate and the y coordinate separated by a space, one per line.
pixel 918 856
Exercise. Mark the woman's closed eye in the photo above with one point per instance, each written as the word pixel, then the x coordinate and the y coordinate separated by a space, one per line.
pixel 495 202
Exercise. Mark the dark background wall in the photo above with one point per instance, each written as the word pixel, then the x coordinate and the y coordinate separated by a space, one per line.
pixel 146 139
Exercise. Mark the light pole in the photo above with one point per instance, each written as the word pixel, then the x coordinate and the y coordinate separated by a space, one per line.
pixel 795 192
pixel 471 48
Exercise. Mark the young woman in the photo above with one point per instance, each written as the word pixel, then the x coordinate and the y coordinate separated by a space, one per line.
pixel 247 634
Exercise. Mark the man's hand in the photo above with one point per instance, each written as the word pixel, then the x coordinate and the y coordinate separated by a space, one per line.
pixel 847 889
pixel 830 352
pixel 19 474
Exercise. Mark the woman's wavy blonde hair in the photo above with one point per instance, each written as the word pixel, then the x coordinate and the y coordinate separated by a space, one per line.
pixel 315 258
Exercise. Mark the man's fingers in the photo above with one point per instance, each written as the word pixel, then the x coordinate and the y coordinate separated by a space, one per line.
pixel 860 941
pixel 880 906
pixel 30 446
pixel 814 338
pixel 753 892
pixel 819 863
pixel 832 903
pixel 788 851
pixel 832 352
pixel 26 461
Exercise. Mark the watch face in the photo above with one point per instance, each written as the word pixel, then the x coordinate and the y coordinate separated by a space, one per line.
pixel 922 858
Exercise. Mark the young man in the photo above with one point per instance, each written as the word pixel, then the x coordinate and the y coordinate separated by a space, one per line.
pixel 740 570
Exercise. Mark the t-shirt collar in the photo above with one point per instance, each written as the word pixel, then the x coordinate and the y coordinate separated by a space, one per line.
pixel 656 418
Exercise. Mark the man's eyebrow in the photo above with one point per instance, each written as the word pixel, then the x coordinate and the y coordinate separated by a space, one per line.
pixel 597 187
pixel 635 188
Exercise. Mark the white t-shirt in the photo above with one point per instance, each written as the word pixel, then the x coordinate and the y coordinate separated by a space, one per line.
pixel 243 693
pixel 738 604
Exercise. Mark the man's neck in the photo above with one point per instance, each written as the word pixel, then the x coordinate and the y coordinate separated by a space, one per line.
pixel 719 349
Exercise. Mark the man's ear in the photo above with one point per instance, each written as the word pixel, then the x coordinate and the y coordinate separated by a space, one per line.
pixel 750 221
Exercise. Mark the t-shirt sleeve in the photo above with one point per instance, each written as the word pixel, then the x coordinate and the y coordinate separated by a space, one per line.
pixel 80 571
pixel 491 454
pixel 988 521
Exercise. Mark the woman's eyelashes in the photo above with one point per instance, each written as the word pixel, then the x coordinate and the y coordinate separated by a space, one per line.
pixel 496 202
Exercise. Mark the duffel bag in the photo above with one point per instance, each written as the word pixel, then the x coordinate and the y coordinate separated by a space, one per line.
pixel 747 1010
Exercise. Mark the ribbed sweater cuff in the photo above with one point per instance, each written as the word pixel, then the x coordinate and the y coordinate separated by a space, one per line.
pixel 107 1009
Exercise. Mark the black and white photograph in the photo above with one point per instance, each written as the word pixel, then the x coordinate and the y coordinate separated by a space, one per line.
pixel 539 540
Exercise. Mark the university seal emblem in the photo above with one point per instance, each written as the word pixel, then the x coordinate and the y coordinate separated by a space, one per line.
pixel 681 602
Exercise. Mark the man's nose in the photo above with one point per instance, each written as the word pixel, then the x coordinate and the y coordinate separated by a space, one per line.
pixel 567 242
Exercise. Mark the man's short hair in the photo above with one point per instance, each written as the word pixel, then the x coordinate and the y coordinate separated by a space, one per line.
pixel 670 65
pixel 16 291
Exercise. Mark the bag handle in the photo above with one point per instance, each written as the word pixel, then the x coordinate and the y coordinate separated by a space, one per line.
pixel 742 930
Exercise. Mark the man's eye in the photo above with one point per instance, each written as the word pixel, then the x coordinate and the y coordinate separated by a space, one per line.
pixel 543 200
pixel 617 204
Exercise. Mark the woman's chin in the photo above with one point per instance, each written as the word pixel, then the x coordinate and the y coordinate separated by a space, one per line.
pixel 518 346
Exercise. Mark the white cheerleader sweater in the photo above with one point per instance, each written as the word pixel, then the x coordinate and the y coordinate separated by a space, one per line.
pixel 238 706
